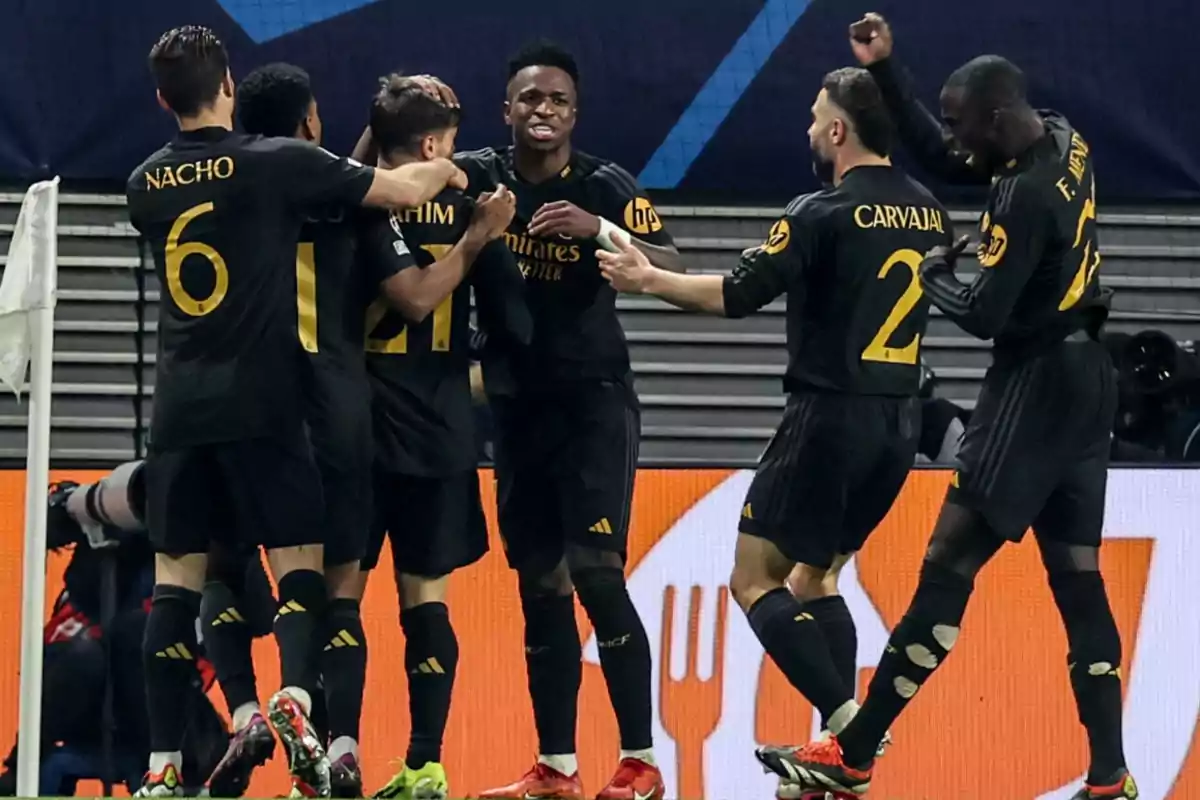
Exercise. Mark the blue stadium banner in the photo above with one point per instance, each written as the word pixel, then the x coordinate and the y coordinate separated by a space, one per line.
pixel 708 98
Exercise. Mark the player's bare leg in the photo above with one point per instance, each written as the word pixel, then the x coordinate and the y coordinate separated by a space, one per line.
pixel 554 662
pixel 431 661
pixel 344 675
pixel 298 572
pixel 169 651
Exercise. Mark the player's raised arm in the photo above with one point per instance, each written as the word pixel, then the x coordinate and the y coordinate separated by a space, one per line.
pixel 925 137
pixel 415 293
pixel 1021 226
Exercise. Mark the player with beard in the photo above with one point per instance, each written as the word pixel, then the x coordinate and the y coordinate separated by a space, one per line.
pixel 1035 451
pixel 847 258
pixel 567 425
pixel 222 213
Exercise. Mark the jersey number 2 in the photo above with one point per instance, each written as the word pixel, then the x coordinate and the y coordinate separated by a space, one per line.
pixel 398 344
pixel 878 349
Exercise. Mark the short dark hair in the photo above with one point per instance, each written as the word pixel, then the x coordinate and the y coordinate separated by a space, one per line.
pixel 274 99
pixel 188 65
pixel 544 53
pixel 992 80
pixel 854 91
pixel 403 113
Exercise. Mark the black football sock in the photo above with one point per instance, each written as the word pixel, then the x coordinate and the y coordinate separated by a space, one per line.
pixel 554 664
pixel 794 641
pixel 298 625
pixel 430 659
pixel 319 715
pixel 833 617
pixel 168 652
pixel 1095 667
pixel 227 643
pixel 624 651
pixel 917 647
pixel 344 667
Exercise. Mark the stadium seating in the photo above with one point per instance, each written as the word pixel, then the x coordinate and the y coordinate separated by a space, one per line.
pixel 710 388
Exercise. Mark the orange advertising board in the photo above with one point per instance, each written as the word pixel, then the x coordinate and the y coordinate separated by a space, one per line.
pixel 999 714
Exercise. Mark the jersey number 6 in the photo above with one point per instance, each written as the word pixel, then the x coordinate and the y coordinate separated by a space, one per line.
pixel 174 255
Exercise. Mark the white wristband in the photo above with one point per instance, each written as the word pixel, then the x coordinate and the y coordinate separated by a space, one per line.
pixel 604 237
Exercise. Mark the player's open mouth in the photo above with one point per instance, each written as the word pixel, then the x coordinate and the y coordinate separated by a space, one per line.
pixel 542 133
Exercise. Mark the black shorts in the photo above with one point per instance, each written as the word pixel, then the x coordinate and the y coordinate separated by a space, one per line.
pixel 1035 452
pixel 831 473
pixel 565 465
pixel 435 525
pixel 342 448
pixel 253 492
pixel 338 414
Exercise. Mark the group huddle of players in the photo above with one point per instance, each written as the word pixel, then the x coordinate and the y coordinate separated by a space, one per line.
pixel 313 396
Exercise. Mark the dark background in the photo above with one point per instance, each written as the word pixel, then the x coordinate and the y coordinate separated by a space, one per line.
pixel 78 101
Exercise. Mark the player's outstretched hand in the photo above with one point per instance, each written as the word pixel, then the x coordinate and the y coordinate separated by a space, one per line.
pixel 628 269
pixel 561 218
pixel 871 39
pixel 494 212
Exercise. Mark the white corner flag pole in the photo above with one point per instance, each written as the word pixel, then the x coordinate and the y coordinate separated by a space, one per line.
pixel 32 271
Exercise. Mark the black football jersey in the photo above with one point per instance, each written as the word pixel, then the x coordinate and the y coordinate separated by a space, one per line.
pixel 847 257
pixel 332 293
pixel 222 213
pixel 1039 254
pixel 419 373
pixel 576 330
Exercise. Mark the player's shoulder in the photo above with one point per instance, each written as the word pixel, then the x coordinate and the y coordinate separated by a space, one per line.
pixel 485 156
pixel 137 178
pixel 1036 176
pixel 1028 190
pixel 487 160
pixel 813 206
pixel 485 168
pixel 606 173
pixel 919 190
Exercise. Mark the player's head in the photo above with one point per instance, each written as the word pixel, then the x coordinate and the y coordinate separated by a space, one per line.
pixel 407 123
pixel 982 103
pixel 849 123
pixel 542 99
pixel 191 71
pixel 277 100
